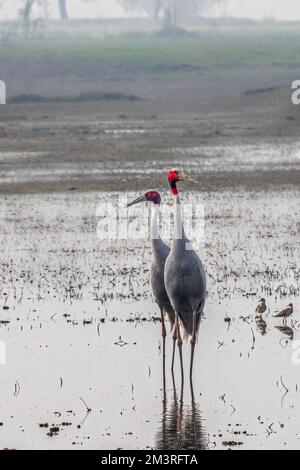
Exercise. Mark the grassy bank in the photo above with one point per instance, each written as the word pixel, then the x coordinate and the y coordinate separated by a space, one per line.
pixel 155 54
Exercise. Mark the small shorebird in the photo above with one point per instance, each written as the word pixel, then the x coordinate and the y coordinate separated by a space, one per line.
pixel 286 312
pixel 261 308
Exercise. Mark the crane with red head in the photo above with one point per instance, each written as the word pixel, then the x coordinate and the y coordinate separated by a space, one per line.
pixel 185 278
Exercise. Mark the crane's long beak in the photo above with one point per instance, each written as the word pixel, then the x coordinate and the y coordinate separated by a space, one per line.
pixel 137 201
pixel 187 179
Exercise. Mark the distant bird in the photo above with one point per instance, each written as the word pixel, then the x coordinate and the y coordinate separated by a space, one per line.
pixel 261 308
pixel 160 254
pixel 185 278
pixel 286 312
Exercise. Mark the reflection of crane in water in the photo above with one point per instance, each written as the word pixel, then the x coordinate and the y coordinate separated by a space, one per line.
pixel 181 426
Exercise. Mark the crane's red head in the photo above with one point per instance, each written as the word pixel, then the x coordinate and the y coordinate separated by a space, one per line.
pixel 153 196
pixel 176 175
pixel 149 196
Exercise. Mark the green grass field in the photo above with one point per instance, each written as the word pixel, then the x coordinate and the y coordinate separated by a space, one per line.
pixel 154 53
pixel 110 65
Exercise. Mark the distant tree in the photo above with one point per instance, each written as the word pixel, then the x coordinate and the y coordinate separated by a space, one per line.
pixel 27 7
pixel 173 10
pixel 222 7
pixel 152 8
pixel 46 6
pixel 63 9
pixel 26 10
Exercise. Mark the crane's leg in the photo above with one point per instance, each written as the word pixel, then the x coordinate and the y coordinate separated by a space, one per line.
pixel 164 334
pixel 193 344
pixel 192 391
pixel 174 344
pixel 179 344
pixel 163 325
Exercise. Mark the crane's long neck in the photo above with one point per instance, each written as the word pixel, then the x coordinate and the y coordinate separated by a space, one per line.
pixel 154 228
pixel 156 241
pixel 178 222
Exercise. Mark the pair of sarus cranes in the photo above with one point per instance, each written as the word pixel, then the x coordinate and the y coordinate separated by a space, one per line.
pixel 178 277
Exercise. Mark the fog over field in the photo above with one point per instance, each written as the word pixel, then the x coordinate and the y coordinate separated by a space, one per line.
pixel 256 9
pixel 107 106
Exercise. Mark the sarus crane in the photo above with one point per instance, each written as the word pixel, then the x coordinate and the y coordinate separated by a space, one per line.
pixel 185 278
pixel 160 253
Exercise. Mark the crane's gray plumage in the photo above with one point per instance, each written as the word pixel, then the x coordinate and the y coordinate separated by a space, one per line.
pixel 185 278
pixel 185 283
pixel 160 253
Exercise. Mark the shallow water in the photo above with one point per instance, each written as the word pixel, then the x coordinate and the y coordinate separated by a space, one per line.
pixel 83 366
pixel 33 167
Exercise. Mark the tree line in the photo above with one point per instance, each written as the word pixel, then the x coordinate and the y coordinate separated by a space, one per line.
pixel 29 4
pixel 172 11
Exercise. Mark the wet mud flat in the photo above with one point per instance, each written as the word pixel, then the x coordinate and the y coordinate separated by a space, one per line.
pixel 225 132
pixel 82 334
pixel 133 154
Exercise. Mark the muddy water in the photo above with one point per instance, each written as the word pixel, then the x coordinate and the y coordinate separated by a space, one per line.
pixel 36 167
pixel 82 334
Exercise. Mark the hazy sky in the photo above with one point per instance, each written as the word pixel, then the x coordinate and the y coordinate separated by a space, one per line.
pixel 280 9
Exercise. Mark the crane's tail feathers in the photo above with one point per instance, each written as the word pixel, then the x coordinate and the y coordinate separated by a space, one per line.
pixel 186 326
pixel 184 333
pixel 186 330
pixel 171 320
